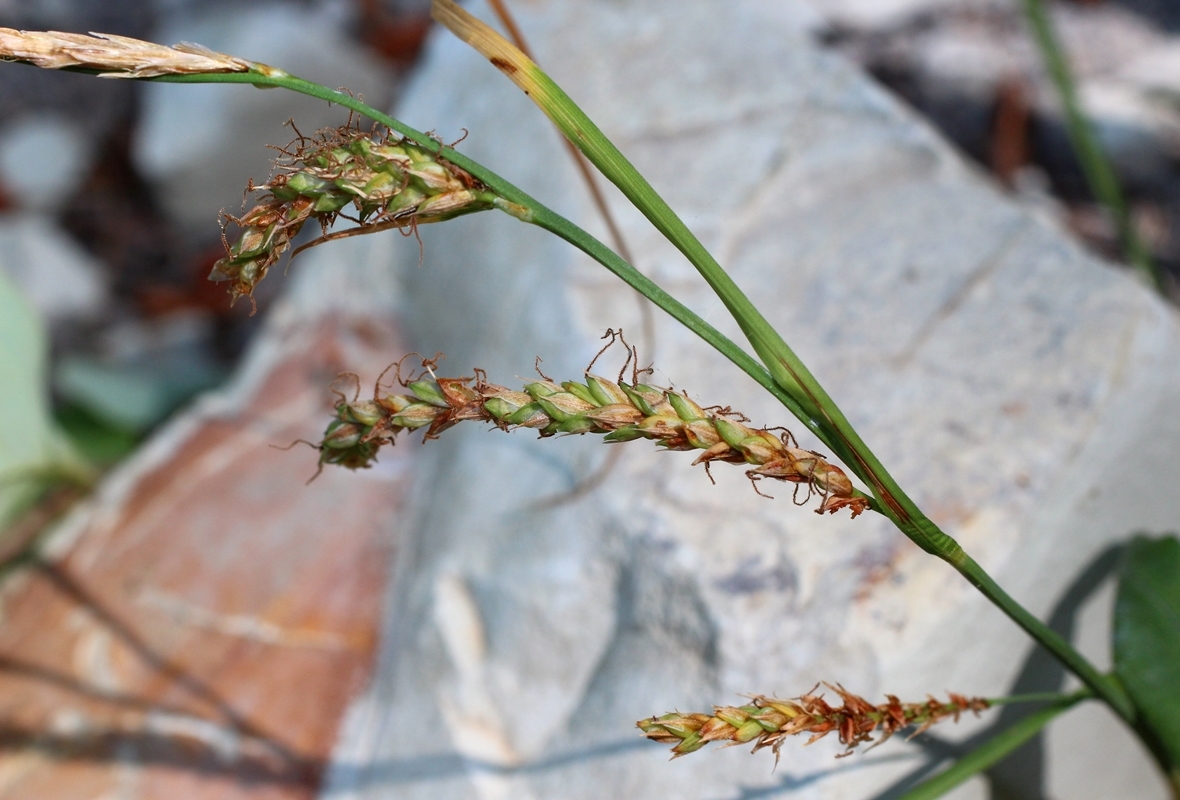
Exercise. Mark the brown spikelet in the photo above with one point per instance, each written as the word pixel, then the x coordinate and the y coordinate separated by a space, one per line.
pixel 767 722
pixel 115 56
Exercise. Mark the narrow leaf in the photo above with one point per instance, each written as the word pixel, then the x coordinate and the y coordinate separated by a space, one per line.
pixel 988 754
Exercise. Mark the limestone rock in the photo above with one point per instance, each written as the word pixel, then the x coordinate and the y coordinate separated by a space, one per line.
pixel 1019 388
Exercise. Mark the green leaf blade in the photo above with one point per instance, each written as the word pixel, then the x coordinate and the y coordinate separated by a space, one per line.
pixel 1147 640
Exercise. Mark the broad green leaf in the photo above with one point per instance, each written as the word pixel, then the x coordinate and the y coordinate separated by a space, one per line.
pixel 1147 637
pixel 33 453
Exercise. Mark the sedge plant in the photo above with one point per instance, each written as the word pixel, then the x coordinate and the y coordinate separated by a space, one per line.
pixel 395 177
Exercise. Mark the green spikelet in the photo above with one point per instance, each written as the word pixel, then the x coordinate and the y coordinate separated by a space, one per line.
pixel 621 412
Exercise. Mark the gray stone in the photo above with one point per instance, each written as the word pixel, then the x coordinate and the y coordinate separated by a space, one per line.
pixel 58 277
pixel 43 158
pixel 1023 391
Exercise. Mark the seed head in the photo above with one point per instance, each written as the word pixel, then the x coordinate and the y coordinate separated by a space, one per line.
pixel 622 412
pixel 388 182
pixel 768 722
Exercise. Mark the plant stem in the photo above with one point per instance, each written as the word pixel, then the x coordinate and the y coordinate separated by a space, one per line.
pixel 993 750
pixel 1096 167
pixel 617 240
pixel 810 402
pixel 1103 686
pixel 616 235
pixel 787 379
pixel 531 211
pixel 1039 697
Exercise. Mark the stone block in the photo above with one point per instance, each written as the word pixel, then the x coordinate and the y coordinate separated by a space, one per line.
pixel 1022 390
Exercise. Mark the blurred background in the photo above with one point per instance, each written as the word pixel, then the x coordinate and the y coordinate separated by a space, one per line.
pixel 110 190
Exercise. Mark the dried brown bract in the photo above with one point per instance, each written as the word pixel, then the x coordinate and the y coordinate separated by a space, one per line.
pixel 115 56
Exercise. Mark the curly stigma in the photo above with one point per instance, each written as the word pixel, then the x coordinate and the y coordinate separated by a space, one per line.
pixel 622 411
pixel 767 722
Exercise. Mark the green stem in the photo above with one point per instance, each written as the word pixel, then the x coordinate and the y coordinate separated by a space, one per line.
pixel 1103 686
pixel 811 403
pixel 787 378
pixel 531 211
pixel 1038 697
pixel 993 750
pixel 1096 167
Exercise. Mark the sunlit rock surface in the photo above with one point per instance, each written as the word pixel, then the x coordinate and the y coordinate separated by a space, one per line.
pixel 1020 389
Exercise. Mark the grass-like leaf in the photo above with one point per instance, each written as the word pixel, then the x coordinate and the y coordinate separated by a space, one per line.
pixel 991 752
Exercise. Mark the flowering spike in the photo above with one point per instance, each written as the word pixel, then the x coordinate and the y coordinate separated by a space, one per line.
pixel 768 722
pixel 391 182
pixel 620 411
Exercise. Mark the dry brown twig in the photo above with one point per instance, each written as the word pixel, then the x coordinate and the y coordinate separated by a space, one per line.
pixel 116 56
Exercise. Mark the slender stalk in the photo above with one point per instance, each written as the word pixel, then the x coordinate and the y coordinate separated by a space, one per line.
pixel 612 227
pixel 993 750
pixel 617 240
pixel 1103 686
pixel 1095 166
pixel 529 210
pixel 1039 697
pixel 809 401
